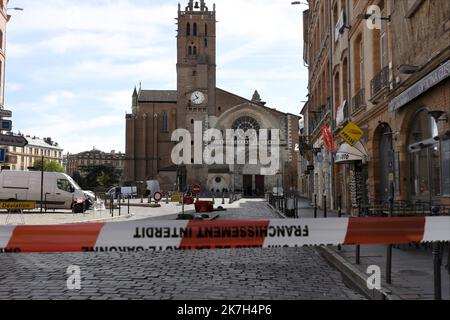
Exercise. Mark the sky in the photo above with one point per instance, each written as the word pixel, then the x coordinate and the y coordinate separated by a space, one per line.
pixel 72 65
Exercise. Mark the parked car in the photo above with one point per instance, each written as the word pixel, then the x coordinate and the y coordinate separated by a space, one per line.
pixel 60 190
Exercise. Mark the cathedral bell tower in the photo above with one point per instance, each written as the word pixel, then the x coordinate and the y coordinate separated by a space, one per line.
pixel 196 65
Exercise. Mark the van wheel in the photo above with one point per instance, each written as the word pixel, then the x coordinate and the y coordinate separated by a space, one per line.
pixel 78 208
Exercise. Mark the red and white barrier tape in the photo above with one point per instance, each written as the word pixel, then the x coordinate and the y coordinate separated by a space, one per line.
pixel 190 235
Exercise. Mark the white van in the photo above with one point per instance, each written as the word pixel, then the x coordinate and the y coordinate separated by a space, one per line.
pixel 124 192
pixel 60 190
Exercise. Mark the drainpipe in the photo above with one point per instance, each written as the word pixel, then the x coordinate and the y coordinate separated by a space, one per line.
pixel 332 178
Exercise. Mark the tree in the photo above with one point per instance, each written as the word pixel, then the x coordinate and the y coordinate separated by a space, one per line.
pixel 79 179
pixel 49 166
pixel 104 176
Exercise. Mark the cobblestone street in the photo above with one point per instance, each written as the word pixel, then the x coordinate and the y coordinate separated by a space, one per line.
pixel 224 274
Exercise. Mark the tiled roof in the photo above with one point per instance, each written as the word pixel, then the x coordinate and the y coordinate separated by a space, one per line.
pixel 158 96
pixel 41 143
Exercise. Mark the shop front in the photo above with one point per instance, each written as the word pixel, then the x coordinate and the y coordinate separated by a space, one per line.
pixel 353 177
pixel 428 160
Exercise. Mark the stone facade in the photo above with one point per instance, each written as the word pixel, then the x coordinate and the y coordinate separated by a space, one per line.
pixel 75 162
pixel 156 114
pixel 391 80
pixel 24 158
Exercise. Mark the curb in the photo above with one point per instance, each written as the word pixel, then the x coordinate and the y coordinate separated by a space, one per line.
pixel 276 211
pixel 355 276
pixel 103 219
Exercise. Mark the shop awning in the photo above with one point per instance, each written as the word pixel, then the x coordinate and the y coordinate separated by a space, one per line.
pixel 348 153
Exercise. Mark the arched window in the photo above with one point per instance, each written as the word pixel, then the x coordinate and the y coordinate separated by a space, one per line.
pixel 424 158
pixel 195 50
pixel 165 122
pixel 188 29
pixel 206 30
pixel 245 124
pixel 190 50
pixel 206 43
pixel 195 29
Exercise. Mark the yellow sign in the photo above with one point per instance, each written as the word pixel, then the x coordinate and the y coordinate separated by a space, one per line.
pixel 351 134
pixel 19 205
pixel 176 198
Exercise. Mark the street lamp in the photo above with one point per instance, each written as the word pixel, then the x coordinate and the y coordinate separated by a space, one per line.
pixel 299 2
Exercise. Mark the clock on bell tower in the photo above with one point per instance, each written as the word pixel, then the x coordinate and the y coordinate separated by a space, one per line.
pixel 196 63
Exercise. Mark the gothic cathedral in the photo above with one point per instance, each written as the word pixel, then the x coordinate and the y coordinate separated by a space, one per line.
pixel 157 113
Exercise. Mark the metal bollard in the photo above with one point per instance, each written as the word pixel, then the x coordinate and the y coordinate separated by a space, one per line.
pixel 128 205
pixel 389 247
pixel 437 271
pixel 358 247
pixel 358 255
pixel 223 198
pixel 167 198
pixel 324 206
pixel 340 207
pixel 149 199
pixel 213 199
pixel 315 206
pixel 142 198
pixel 120 205
pixel 111 205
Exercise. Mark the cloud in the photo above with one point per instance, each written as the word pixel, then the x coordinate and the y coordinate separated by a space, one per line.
pixel 13 87
pixel 73 64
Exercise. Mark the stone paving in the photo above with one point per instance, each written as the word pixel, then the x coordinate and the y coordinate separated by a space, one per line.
pixel 267 274
pixel 272 274
pixel 412 266
pixel 253 209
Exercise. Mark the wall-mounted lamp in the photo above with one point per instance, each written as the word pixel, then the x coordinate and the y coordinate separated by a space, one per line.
pixel 299 2
pixel 369 16
pixel 409 68
pixel 439 115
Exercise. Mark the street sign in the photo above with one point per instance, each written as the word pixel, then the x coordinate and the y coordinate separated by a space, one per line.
pixel 2 155
pixel 18 205
pixel 351 134
pixel 157 196
pixel 310 168
pixel 6 125
pixel 13 141
pixel 5 114
pixel 196 189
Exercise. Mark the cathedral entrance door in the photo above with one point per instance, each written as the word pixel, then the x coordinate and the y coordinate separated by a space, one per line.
pixel 248 185
pixel 260 185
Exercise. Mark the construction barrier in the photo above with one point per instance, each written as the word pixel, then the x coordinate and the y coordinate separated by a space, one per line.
pixel 135 236
pixel 17 205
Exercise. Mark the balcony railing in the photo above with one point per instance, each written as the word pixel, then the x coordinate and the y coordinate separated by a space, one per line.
pixel 379 82
pixel 317 117
pixel 359 101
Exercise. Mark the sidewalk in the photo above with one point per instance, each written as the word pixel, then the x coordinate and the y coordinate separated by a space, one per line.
pixel 412 267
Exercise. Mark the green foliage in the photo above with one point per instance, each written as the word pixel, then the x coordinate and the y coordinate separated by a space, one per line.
pixel 95 176
pixel 49 166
